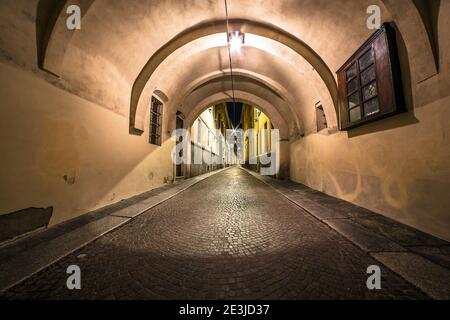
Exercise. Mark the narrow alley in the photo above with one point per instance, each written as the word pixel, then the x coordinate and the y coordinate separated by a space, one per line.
pixel 230 236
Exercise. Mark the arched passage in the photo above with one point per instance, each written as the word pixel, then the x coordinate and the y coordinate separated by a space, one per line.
pixel 215 27
pixel 244 97
pixel 55 39
pixel 291 77
pixel 73 139
pixel 278 112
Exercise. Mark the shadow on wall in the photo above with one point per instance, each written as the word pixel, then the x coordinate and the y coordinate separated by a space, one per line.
pixel 46 16
pixel 397 121
pixel 429 12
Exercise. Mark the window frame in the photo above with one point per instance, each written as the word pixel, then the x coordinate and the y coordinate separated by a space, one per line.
pixel 321 119
pixel 155 138
pixel 360 86
pixel 386 78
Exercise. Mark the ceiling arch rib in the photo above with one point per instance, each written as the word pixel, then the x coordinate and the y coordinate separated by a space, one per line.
pixel 413 30
pixel 275 107
pixel 55 37
pixel 238 78
pixel 244 97
pixel 205 29
pixel 272 84
pixel 225 75
pixel 242 76
pixel 242 84
pixel 302 104
pixel 290 76
pixel 417 39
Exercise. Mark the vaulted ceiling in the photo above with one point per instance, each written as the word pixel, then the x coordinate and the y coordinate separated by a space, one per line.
pixel 126 50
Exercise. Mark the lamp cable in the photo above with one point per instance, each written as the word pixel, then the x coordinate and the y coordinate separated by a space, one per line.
pixel 231 63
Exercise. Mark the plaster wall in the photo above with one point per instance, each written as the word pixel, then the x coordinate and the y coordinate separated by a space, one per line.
pixel 70 149
pixel 399 167
pixel 207 130
pixel 403 173
pixel 62 151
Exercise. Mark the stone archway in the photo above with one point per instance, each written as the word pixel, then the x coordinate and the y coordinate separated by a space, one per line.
pixel 215 27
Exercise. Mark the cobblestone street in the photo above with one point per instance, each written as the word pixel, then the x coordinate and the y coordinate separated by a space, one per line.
pixel 230 236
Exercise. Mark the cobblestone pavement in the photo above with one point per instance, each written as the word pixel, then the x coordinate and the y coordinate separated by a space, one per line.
pixel 228 237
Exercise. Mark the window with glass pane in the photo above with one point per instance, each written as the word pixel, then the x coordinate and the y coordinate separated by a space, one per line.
pixel 370 81
pixel 352 86
pixel 352 72
pixel 371 107
pixel 370 91
pixel 155 122
pixel 366 60
pixel 362 88
pixel 353 100
pixel 355 114
pixel 368 75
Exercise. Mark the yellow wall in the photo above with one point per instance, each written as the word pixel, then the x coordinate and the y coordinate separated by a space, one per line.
pixel 403 172
pixel 247 123
pixel 400 166
pixel 47 133
pixel 221 113
pixel 262 123
pixel 223 124
pixel 206 138
pixel 256 121
pixel 209 132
